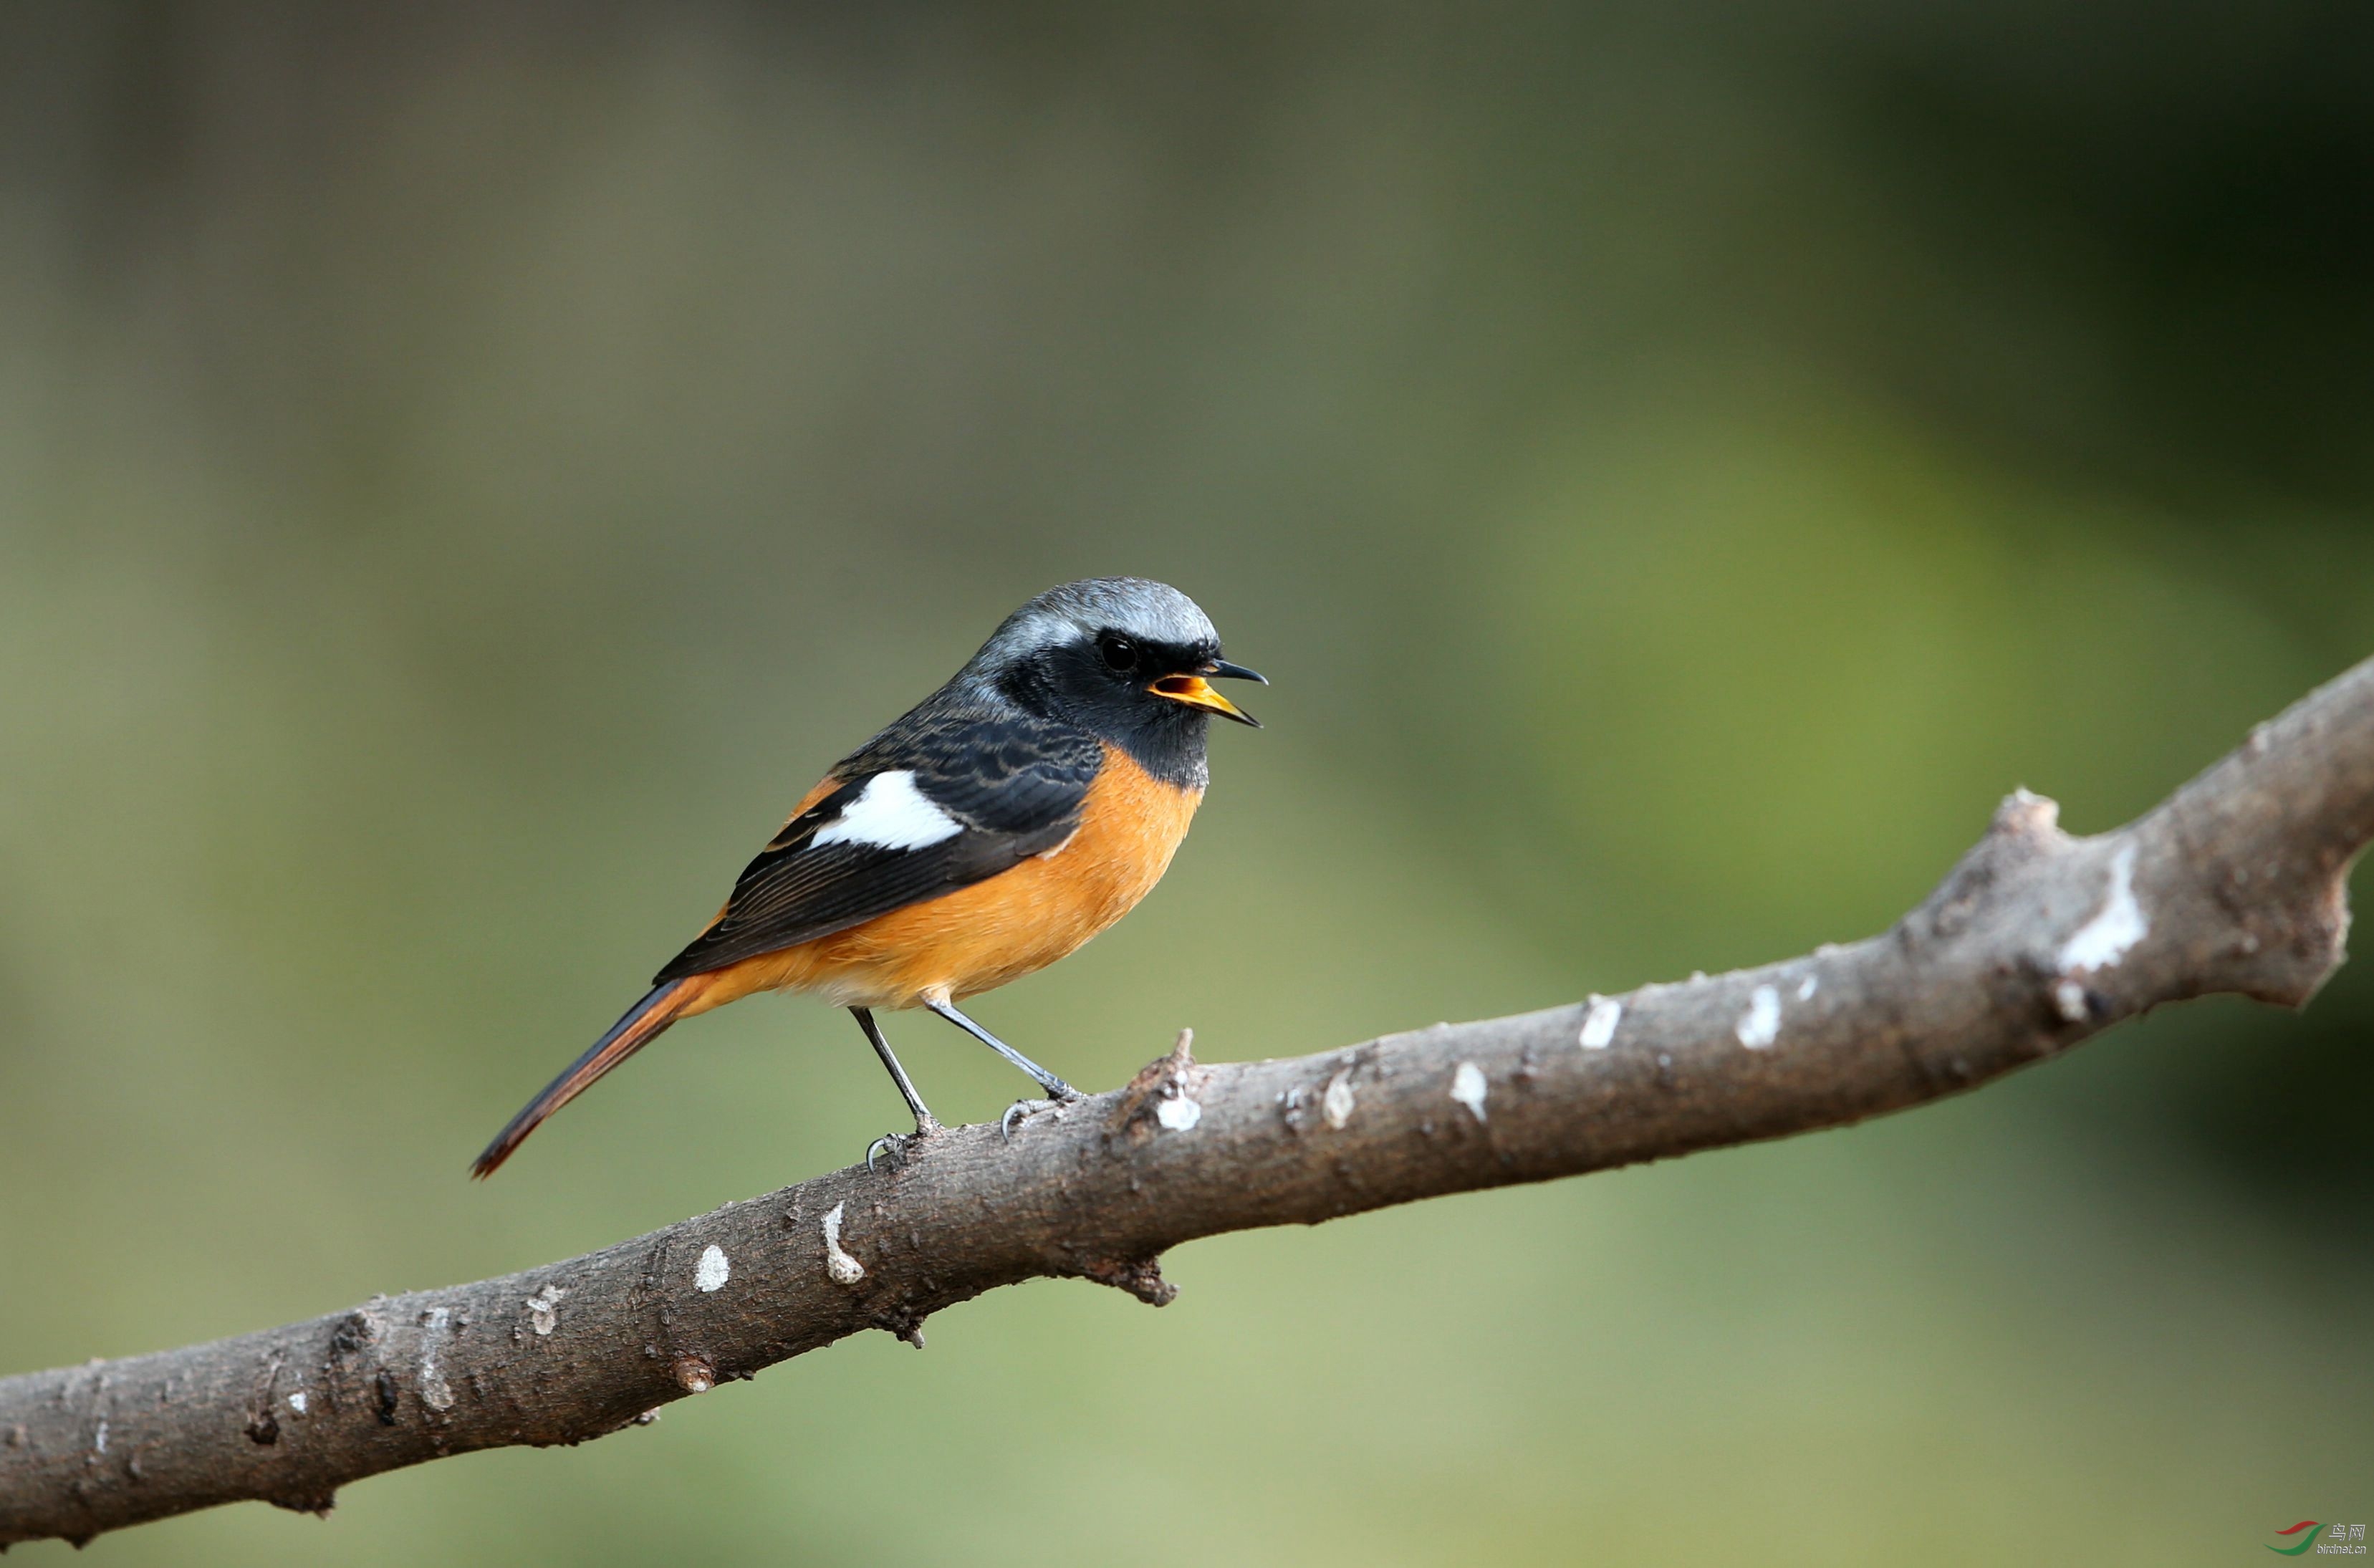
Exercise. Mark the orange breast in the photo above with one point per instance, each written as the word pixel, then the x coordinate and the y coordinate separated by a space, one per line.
pixel 978 938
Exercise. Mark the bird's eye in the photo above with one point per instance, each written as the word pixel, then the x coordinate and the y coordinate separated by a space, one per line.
pixel 1121 654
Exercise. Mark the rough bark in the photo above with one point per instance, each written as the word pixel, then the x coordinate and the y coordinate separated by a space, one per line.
pixel 2035 942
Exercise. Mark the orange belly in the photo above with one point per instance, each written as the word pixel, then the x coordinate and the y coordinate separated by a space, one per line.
pixel 978 938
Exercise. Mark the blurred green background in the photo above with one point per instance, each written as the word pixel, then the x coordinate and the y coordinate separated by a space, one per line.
pixel 464 469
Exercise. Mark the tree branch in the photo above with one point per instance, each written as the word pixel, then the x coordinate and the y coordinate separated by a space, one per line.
pixel 2034 943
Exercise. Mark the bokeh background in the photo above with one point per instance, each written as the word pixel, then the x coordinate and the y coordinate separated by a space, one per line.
pixel 465 468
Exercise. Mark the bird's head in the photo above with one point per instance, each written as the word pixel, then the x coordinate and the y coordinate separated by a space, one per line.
pixel 1127 659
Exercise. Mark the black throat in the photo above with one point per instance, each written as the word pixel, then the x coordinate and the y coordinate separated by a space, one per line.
pixel 1174 747
pixel 1069 685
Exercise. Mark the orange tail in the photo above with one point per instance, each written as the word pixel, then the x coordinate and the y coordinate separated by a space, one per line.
pixel 644 1022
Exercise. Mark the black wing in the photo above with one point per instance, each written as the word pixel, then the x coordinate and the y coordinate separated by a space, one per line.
pixel 1012 786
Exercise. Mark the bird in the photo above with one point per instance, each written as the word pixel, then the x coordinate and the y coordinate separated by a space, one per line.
pixel 1003 821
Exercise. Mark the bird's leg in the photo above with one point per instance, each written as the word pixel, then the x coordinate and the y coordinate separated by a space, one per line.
pixel 1056 1087
pixel 925 1122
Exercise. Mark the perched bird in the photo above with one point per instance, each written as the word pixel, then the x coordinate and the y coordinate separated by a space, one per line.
pixel 1016 813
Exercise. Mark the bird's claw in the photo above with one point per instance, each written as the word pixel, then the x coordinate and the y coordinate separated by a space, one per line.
pixel 1023 1110
pixel 898 1143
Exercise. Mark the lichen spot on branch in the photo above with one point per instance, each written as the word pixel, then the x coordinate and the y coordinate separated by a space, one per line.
pixel 1177 1110
pixel 435 1391
pixel 1760 1024
pixel 544 1309
pixel 1599 1023
pixel 2101 941
pixel 1467 1087
pixel 1336 1104
pixel 843 1269
pixel 714 1270
pixel 2068 1001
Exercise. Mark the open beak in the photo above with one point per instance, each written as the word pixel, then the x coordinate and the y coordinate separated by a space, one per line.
pixel 1196 692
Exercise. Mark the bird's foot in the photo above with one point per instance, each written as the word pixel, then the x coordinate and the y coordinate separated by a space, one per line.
pixel 1021 1111
pixel 898 1145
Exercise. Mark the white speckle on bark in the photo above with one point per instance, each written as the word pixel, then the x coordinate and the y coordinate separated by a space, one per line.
pixel 99 1438
pixel 435 1392
pixel 1760 1024
pixel 1177 1112
pixel 844 1269
pixel 1467 1087
pixel 543 1308
pixel 1599 1024
pixel 714 1270
pixel 2101 941
pixel 2069 1000
pixel 1807 987
pixel 297 1401
pixel 1336 1104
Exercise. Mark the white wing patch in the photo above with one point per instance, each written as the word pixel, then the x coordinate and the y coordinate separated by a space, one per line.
pixel 889 813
